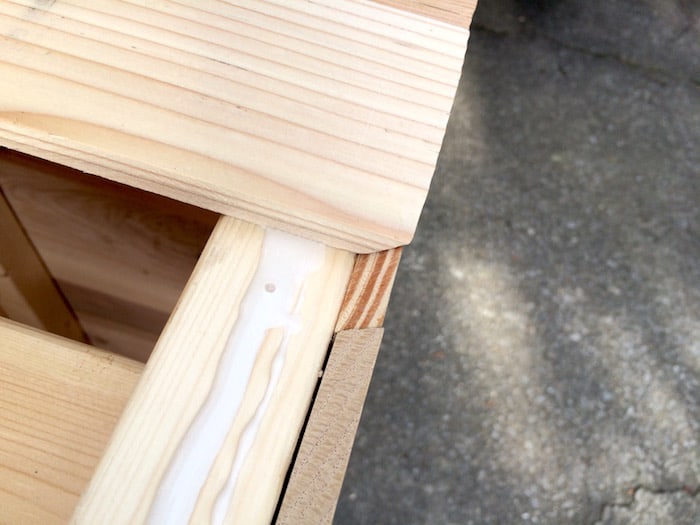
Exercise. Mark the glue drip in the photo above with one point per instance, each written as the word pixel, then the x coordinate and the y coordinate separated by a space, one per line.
pixel 273 301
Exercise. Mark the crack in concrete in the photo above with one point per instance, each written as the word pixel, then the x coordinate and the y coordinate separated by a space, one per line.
pixel 657 74
pixel 632 492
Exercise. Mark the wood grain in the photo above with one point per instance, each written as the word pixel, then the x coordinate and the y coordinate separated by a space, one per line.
pixel 272 385
pixel 320 118
pixel 369 289
pixel 60 402
pixel 120 256
pixel 457 12
pixel 28 293
pixel 317 476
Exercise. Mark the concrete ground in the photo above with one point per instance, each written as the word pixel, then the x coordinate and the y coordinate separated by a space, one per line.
pixel 541 362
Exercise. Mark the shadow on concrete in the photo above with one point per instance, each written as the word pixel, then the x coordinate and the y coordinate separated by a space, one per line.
pixel 542 355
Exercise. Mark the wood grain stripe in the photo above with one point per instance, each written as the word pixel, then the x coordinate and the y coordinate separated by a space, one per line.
pixel 456 12
pixel 321 118
pixel 369 290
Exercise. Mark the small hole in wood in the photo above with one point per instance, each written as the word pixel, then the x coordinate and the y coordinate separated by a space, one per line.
pixel 270 287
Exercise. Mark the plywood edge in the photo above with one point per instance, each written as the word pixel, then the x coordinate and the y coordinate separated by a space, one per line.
pixel 317 475
pixel 60 402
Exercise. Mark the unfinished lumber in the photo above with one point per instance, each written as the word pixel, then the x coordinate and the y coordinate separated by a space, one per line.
pixel 457 12
pixel 120 256
pixel 369 289
pixel 211 428
pixel 28 293
pixel 60 402
pixel 320 118
pixel 317 476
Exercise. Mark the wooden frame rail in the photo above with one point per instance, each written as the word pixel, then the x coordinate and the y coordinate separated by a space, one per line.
pixel 59 403
pixel 226 391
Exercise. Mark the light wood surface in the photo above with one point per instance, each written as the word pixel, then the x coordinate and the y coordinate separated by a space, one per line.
pixel 320 118
pixel 28 293
pixel 59 402
pixel 256 317
pixel 120 256
pixel 457 12
pixel 317 476
pixel 369 289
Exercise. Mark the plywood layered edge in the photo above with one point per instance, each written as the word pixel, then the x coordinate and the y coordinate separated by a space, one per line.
pixel 320 118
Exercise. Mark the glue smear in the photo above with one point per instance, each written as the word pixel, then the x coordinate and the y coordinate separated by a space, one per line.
pixel 273 301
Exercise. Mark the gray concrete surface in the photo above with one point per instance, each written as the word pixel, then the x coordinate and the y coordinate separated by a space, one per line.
pixel 542 356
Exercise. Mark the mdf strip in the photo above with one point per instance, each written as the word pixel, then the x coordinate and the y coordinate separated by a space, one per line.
pixel 317 477
pixel 28 293
pixel 320 119
pixel 210 430
pixel 60 402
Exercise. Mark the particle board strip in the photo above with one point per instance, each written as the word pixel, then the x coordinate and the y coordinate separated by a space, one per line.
pixel 323 119
pixel 60 402
pixel 211 428
pixel 28 293
pixel 314 486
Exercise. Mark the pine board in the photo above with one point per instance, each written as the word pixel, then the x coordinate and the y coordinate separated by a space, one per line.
pixel 457 12
pixel 317 476
pixel 60 402
pixel 28 293
pixel 321 118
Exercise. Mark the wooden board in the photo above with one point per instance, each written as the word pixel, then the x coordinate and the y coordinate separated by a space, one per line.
pixel 59 402
pixel 369 289
pixel 120 256
pixel 28 293
pixel 317 476
pixel 213 423
pixel 457 12
pixel 321 118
